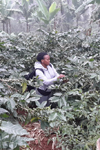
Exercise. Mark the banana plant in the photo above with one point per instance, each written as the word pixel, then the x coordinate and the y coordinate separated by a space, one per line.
pixel 6 12
pixel 44 14
pixel 25 9
pixel 83 6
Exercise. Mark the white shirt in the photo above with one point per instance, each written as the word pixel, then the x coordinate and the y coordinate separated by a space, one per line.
pixel 49 75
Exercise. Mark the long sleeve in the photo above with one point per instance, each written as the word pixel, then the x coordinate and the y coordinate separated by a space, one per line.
pixel 49 75
pixel 56 74
pixel 46 81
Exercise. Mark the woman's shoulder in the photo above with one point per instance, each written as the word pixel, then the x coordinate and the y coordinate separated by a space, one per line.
pixel 50 66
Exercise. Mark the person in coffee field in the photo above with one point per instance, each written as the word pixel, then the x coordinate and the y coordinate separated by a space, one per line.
pixel 45 71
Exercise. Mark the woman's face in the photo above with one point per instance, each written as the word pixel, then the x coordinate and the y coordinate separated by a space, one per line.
pixel 46 60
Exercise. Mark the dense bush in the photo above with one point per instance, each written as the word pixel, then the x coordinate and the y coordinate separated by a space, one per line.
pixel 77 115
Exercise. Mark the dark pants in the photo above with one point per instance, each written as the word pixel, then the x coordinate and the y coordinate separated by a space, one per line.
pixel 44 98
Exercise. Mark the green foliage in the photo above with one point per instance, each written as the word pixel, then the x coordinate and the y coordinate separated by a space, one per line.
pixel 77 114
pixel 13 129
pixel 10 136
pixel 59 15
pixel 6 12
pixel 26 9
pixel 83 6
pixel 97 1
pixel 46 15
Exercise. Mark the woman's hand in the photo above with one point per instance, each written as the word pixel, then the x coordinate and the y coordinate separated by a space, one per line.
pixel 61 76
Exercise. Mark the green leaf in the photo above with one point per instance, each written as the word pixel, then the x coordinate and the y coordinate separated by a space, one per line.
pixel 53 116
pixel 43 9
pixel 14 129
pixel 4 115
pixel 17 95
pixel 92 59
pixel 62 117
pixel 60 103
pixel 42 104
pixel 52 7
pixel 81 7
pixel 69 115
pixel 32 99
pixel 54 99
pixel 64 100
pixel 93 75
pixel 11 104
pixel 54 124
pixel 98 1
pixel 34 119
pixel 1 86
pixel 24 87
pixel 22 140
pixel 44 125
pixel 3 100
pixel 38 104
pixel 2 111
pixel 98 77
pixel 39 13
pixel 75 76
pixel 17 148
pixel 52 14
pixel 28 118
pixel 27 95
pixel 58 94
pixel 74 92
pixel 46 21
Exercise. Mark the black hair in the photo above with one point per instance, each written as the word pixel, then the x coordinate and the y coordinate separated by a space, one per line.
pixel 41 55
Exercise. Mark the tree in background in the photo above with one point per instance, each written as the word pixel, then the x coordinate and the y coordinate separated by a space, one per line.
pixel 26 7
pixel 61 15
pixel 6 13
pixel 47 15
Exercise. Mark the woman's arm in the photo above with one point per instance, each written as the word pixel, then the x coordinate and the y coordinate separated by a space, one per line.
pixel 46 81
pixel 55 72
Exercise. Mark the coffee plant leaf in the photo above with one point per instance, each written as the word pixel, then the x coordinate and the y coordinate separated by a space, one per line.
pixel 2 111
pixel 14 129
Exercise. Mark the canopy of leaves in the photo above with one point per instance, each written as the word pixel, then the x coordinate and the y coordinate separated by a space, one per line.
pixel 75 53
pixel 78 100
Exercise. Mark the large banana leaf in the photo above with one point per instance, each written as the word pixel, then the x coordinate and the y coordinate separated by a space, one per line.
pixel 43 9
pixel 52 7
pixel 46 15
pixel 52 14
pixel 45 21
pixel 80 8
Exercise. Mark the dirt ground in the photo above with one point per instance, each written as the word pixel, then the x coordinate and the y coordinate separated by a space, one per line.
pixel 41 141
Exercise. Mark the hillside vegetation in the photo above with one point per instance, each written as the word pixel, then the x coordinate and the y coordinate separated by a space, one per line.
pixel 78 111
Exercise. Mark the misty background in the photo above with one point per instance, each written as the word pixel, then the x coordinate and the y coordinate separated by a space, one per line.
pixel 25 16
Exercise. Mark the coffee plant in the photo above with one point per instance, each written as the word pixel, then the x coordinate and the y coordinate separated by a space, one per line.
pixel 77 115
